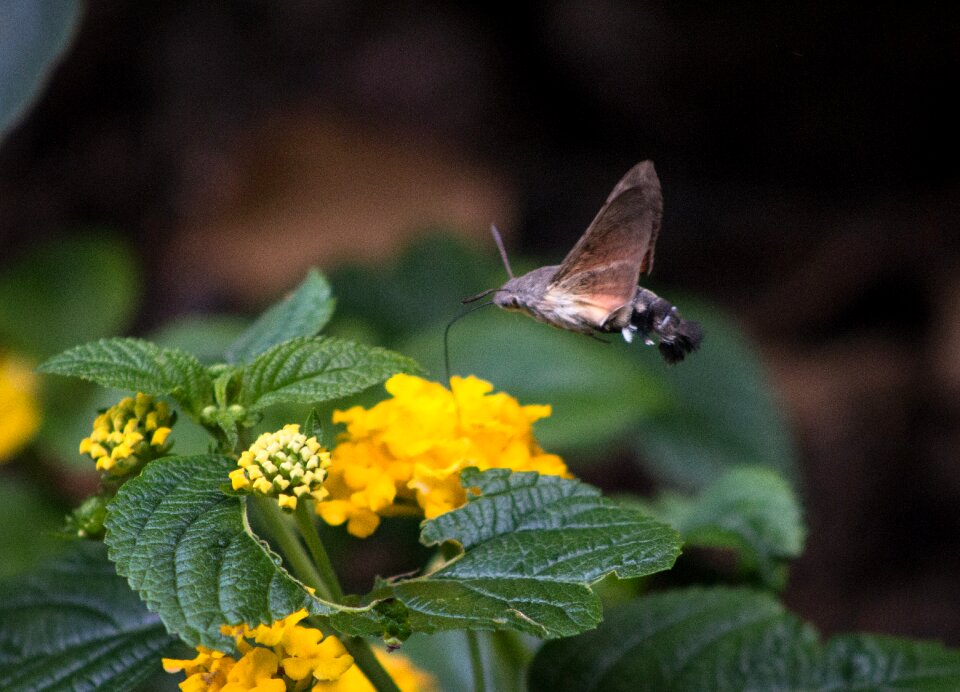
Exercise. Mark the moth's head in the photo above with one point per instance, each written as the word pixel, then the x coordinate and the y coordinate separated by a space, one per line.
pixel 507 297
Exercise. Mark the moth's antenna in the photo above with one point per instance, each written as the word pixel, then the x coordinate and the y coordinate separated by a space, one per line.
pixel 446 334
pixel 503 251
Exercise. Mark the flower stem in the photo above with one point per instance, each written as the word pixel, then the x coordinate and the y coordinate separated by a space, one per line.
pixel 510 654
pixel 367 661
pixel 308 529
pixel 320 576
pixel 280 529
pixel 476 661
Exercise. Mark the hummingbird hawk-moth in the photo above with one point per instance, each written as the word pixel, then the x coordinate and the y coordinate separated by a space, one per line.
pixel 595 288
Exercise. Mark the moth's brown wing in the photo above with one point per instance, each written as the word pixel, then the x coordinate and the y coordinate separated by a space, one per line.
pixel 604 266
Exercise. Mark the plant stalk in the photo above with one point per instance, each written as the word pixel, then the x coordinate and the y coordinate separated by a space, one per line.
pixel 364 657
pixel 476 661
pixel 276 523
pixel 308 529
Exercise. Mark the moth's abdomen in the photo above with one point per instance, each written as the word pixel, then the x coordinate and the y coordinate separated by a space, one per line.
pixel 654 316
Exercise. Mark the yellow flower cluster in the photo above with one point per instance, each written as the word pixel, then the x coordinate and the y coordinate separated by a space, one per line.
pixel 406 453
pixel 19 412
pixel 283 464
pixel 408 677
pixel 129 434
pixel 273 658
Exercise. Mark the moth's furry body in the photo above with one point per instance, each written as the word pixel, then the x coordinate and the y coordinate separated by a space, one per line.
pixel 647 314
pixel 595 288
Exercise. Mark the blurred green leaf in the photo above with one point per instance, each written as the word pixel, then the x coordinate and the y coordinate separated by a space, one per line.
pixel 750 509
pixel 68 291
pixel 423 287
pixel 303 313
pixel 30 521
pixel 33 36
pixel 721 412
pixel 597 391
pixel 204 336
pixel 312 370
pixel 74 624
pixel 139 366
pixel 732 639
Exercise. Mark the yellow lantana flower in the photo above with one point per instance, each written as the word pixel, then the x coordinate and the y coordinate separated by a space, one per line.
pixel 408 677
pixel 406 453
pixel 274 658
pixel 128 435
pixel 286 465
pixel 19 411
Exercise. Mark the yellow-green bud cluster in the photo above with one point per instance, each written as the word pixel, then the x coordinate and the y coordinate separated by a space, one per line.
pixel 286 465
pixel 129 434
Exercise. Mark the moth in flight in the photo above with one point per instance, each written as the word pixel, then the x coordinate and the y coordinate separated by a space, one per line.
pixel 594 290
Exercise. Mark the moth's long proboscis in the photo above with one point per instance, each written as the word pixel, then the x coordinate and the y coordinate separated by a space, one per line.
pixel 446 332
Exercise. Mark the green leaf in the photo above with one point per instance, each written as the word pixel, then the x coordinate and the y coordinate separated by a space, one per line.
pixel 33 36
pixel 751 509
pixel 29 522
pixel 720 411
pixel 187 548
pixel 422 287
pixel 205 336
pixel 68 291
pixel 303 313
pixel 597 392
pixel 732 639
pixel 137 365
pixel 533 545
pixel 311 370
pixel 74 624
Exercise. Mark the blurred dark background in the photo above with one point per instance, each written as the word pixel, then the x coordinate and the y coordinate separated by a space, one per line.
pixel 808 161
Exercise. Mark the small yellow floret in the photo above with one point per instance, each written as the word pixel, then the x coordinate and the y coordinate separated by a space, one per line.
pixel 118 441
pixel 285 464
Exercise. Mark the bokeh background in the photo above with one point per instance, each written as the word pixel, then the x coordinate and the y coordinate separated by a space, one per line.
pixel 808 156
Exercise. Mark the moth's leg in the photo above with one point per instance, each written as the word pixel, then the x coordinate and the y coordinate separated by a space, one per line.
pixel 672 314
pixel 593 336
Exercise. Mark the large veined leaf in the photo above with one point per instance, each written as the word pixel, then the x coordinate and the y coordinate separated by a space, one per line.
pixel 732 639
pixel 302 313
pixel 137 365
pixel 187 548
pixel 74 624
pixel 66 291
pixel 311 370
pixel 751 509
pixel 533 545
